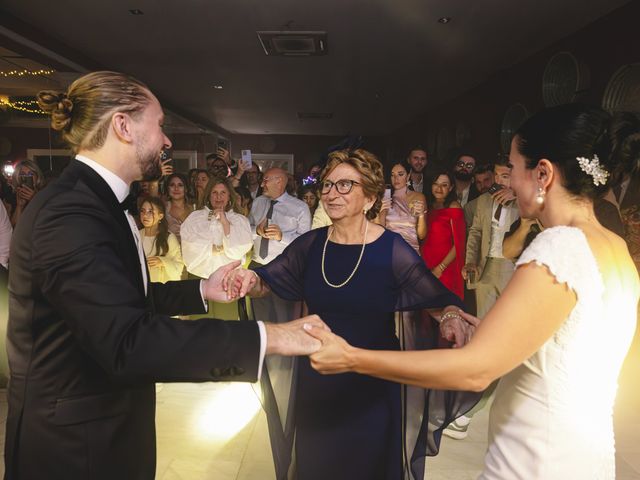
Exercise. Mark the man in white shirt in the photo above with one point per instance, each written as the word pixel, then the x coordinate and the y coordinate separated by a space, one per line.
pixel 485 263
pixel 276 219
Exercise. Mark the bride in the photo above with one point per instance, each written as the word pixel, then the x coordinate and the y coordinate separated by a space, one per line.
pixel 560 331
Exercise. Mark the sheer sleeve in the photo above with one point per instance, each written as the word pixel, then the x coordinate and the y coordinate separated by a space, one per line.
pixel 172 261
pixel 285 274
pixel 416 286
pixel 426 412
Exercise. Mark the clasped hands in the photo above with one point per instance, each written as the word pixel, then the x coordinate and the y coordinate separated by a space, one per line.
pixel 309 335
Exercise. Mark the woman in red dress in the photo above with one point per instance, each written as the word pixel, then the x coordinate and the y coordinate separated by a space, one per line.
pixel 443 248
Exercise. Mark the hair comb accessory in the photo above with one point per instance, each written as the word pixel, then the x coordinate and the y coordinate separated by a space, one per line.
pixel 594 169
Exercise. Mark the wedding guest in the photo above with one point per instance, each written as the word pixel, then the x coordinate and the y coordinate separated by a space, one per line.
pixel 307 193
pixel 27 181
pixel 161 247
pixel 252 179
pixel 463 173
pixel 178 205
pixel 5 236
pixel 215 235
pixel 245 200
pixel 417 161
pixel 200 182
pixel 443 247
pixel 405 213
pixel 552 414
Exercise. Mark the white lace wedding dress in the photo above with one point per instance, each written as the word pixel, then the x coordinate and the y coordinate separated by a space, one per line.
pixel 552 415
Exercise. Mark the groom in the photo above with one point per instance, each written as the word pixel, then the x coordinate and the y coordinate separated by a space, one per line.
pixel 88 333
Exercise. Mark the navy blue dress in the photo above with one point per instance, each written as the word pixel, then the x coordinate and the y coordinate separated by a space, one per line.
pixel 349 426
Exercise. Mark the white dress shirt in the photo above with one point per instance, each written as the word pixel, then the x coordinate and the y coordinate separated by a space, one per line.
pixel 499 228
pixel 120 189
pixel 290 214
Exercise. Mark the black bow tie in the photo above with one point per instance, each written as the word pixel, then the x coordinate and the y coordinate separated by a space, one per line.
pixel 130 204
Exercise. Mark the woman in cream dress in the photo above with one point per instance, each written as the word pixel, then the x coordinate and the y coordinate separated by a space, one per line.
pixel 215 236
pixel 161 247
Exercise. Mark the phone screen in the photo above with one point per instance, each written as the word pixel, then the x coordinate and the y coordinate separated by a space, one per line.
pixel 246 158
pixel 27 181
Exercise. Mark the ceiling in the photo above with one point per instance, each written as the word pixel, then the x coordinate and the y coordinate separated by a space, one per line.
pixel 387 62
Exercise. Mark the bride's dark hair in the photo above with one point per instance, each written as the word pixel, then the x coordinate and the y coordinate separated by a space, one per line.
pixel 564 133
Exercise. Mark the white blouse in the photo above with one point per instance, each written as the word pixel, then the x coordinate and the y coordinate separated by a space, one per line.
pixel 172 264
pixel 201 231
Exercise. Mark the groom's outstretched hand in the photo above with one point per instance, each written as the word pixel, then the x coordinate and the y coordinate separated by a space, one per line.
pixel 238 282
pixel 291 338
pixel 212 287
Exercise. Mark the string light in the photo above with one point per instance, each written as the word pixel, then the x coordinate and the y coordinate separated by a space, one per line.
pixel 26 73
pixel 23 106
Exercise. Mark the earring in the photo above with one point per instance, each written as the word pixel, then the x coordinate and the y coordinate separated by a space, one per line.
pixel 540 196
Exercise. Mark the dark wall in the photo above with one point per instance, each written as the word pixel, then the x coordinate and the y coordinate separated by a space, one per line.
pixel 307 149
pixel 604 46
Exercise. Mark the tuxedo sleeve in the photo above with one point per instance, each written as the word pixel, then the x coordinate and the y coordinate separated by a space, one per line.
pixel 83 272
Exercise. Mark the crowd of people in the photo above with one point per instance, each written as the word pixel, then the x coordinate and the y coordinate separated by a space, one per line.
pixel 458 250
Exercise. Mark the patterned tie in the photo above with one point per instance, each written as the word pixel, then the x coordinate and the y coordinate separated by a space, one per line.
pixel 264 242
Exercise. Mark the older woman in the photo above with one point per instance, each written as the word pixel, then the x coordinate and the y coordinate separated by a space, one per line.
pixel 560 331
pixel 355 275
pixel 27 181
pixel 161 247
pixel 443 248
pixel 178 206
pixel 405 214
pixel 215 235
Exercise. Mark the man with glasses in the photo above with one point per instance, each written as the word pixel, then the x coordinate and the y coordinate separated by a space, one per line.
pixel 463 170
pixel 276 219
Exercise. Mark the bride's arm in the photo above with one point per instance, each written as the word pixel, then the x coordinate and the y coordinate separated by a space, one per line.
pixel 531 309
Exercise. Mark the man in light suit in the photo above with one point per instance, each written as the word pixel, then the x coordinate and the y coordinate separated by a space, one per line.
pixel 494 214
pixel 88 333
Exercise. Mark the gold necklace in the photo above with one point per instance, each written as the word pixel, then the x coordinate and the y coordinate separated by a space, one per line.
pixel 324 252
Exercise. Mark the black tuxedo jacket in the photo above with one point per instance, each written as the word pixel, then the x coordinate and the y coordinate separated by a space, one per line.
pixel 86 345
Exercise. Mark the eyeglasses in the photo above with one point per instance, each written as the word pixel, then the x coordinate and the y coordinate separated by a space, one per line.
pixel 468 165
pixel 342 186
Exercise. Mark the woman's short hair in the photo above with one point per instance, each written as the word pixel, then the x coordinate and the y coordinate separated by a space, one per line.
pixel 234 202
pixel 38 180
pixel 84 112
pixel 565 133
pixel 370 170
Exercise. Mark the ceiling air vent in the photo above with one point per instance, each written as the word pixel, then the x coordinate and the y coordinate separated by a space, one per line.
pixel 315 115
pixel 294 44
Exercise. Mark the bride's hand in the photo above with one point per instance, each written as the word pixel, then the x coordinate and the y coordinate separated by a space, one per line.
pixel 335 354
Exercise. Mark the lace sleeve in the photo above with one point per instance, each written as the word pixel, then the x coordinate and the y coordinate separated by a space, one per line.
pixel 566 253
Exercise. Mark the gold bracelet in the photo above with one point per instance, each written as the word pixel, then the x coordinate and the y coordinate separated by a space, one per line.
pixel 450 314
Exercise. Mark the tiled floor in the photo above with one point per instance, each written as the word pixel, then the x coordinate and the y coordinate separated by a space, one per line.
pixel 196 439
